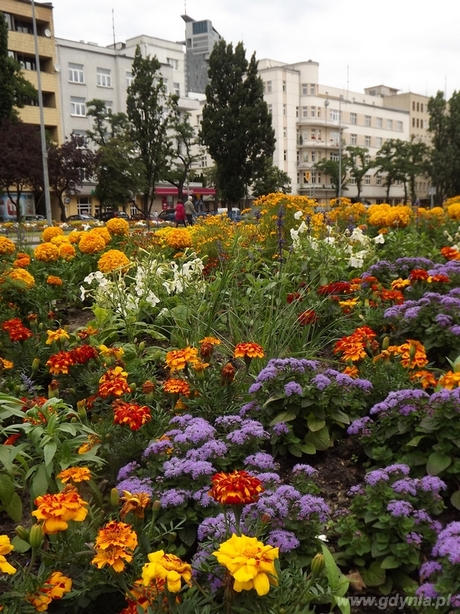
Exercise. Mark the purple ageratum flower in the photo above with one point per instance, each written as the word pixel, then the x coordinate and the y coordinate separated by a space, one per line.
pixel 261 460
pixel 181 467
pixel 248 431
pixel 398 468
pixel 269 479
pixel 405 410
pixel 174 497
pixel 126 470
pixel 216 527
pixel 411 314
pixel 196 432
pixel 249 407
pixel 309 505
pixel 448 543
pixel 202 497
pixel 255 387
pixel 157 447
pixel 443 320
pixel 281 428
pixel 209 450
pixel 405 486
pixel 320 381
pixel 228 421
pixel 399 508
pixel 284 540
pixel 306 470
pixel 276 504
pixel 360 426
pixel 374 477
pixel 292 388
pixel 431 483
pixel 429 568
pixel 427 591
pixel 182 419
pixel 356 490
pixel 455 601
pixel 414 538
pixel 135 486
pixel 455 330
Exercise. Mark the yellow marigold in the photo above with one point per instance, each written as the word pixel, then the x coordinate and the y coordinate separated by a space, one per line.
pixel 179 238
pixel 113 260
pixel 425 378
pixel 50 232
pixel 75 236
pixel 88 445
pixel 177 360
pixel 117 226
pixel 211 340
pixel 166 567
pixel 104 233
pixel 7 247
pixel 53 280
pixel 453 211
pixel 248 350
pixel 59 240
pixel 91 243
pixel 56 510
pixel 74 474
pixel 67 251
pixel 6 364
pixel 23 276
pixel 47 252
pixel 54 588
pixel 5 548
pixel 57 336
pixel 250 562
pixel 450 380
pixel 114 545
pixel 110 355
pixel 176 387
pixel 135 503
pixel 400 284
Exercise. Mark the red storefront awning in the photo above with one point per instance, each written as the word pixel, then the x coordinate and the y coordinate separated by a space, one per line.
pixel 172 191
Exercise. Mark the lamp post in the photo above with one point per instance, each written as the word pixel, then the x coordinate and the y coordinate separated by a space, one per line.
pixel 46 186
pixel 340 149
pixel 326 105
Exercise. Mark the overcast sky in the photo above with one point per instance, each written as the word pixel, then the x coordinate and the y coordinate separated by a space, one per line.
pixel 411 45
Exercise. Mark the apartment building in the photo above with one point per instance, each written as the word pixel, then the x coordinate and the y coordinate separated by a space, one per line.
pixel 200 38
pixel 21 46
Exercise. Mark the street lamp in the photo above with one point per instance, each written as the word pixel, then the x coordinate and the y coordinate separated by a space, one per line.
pixel 46 186
pixel 340 149
pixel 326 104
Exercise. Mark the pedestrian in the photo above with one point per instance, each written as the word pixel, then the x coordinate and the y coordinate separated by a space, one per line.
pixel 180 214
pixel 190 210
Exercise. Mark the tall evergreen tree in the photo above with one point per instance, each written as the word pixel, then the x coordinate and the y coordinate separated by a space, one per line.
pixel 236 126
pixel 15 89
pixel 150 110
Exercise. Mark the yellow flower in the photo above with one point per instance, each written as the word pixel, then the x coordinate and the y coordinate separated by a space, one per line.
pixel 7 247
pixel 250 562
pixel 166 567
pixel 104 233
pixel 135 503
pixel 59 240
pixel 114 545
pixel 113 354
pixel 23 276
pixel 47 252
pixel 50 232
pixel 67 251
pixel 5 548
pixel 177 360
pixel 56 510
pixel 54 588
pixel 117 226
pixel 112 260
pixel 248 350
pixel 91 243
pixel 59 335
pixel 178 238
pixel 75 474
pixel 6 364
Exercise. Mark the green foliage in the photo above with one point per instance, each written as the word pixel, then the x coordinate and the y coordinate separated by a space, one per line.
pixel 359 164
pixel 272 179
pixel 236 127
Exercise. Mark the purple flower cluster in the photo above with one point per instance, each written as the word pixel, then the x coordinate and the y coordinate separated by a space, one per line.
pixel 360 426
pixel 135 485
pixel 292 388
pixel 181 467
pixel 310 505
pixel 306 470
pixel 398 397
pixel 261 460
pixel 284 540
pixel 249 431
pixel 448 543
pixel 399 508
pixel 281 428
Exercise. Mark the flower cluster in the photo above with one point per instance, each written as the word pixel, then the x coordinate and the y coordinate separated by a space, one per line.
pixel 56 510
pixel 16 330
pixel 55 587
pixel 115 544
pixel 130 414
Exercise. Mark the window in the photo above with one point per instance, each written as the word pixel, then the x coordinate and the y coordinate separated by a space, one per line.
pixel 284 109
pixel 173 62
pixel 204 162
pixel 77 106
pixel 76 73
pixel 367 180
pixel 103 77
pixel 129 79
pixel 176 89
pixel 313 134
pixel 367 141
pixel 318 111
pixel 399 126
pixel 413 106
pixel 379 122
pixel 312 89
pixel 353 118
pixel 84 204
pixel 165 84
pixel 389 124
pixel 304 89
pixel 269 87
pixel 413 122
pixel 378 141
pixel 335 115
pixel 270 108
pixel 367 120
pixel 108 106
pixel 297 111
pixel 378 179
pixel 313 156
pixel 353 139
pixel 304 111
pixel 312 111
pixel 421 107
pixel 418 106
pixel 285 155
pixel 335 137
pixel 315 177
pixel 334 156
pixel 284 86
pixel 305 135
pixel 352 181
pixel 284 133
pixel 418 123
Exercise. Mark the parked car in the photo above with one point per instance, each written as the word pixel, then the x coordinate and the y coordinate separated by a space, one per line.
pixel 81 217
pixel 108 215
pixel 167 215
pixel 34 218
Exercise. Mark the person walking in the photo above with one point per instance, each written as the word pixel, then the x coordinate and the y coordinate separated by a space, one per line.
pixel 190 210
pixel 180 214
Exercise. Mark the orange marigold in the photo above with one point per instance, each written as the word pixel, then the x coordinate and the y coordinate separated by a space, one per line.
pixel 22 276
pixel 115 544
pixel 113 382
pixel 104 233
pixel 50 232
pixel 176 386
pixel 135 503
pixel 177 360
pixel 67 251
pixel 117 226
pixel 91 243
pixel 54 588
pixel 55 510
pixel 113 260
pixel 53 280
pixel 450 380
pixel 46 252
pixel 60 362
pixel 248 350
pixel 235 488
pixel 7 247
pixel 130 414
pixel 75 474
pixel 16 330
pixel 22 260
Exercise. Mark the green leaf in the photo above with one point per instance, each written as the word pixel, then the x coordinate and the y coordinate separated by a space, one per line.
pixel 415 440
pixel 39 484
pixel 314 424
pixel 389 562
pixel 6 488
pixel 14 508
pixel 295 450
pixel 308 448
pixel 20 545
pixel 284 416
pixel 455 499
pixel 373 575
pixel 437 463
pixel 321 439
pixel 68 428
pixel 49 452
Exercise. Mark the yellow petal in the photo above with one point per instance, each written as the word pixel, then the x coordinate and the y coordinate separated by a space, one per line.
pixel 261 584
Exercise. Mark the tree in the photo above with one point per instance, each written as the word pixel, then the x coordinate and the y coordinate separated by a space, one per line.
pixel 16 90
pixel 359 164
pixel 182 156
pixel 21 165
pixel 150 111
pixel 272 180
pixel 389 161
pixel 236 126
pixel 106 124
pixel 337 172
pixel 413 161
pixel 69 165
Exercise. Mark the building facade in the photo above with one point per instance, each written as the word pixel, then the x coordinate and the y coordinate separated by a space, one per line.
pixel 200 38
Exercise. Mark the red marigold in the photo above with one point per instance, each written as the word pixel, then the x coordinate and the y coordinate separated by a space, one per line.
pixel 238 487
pixel 176 386
pixel 335 287
pixel 60 362
pixel 418 275
pixel 293 296
pixel 307 317
pixel 131 414
pixel 228 373
pixel 248 350
pixel 84 354
pixel 16 330
pixel 113 382
pixel 450 253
